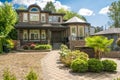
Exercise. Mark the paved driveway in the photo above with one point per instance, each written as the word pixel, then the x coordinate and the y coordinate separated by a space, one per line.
pixel 53 69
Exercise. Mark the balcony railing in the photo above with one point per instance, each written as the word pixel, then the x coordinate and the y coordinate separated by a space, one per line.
pixel 76 38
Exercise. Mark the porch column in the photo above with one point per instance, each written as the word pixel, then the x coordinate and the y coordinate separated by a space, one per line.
pixel 48 36
pixel 28 34
pixel 40 35
pixel 18 33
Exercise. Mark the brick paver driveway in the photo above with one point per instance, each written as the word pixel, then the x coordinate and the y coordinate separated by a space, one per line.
pixel 54 70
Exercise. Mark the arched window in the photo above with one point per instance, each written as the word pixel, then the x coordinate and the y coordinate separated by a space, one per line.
pixel 34 9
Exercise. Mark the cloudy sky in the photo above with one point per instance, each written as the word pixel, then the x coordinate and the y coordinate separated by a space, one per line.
pixel 95 11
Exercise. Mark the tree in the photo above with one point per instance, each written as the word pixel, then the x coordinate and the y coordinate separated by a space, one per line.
pixel 50 7
pixel 114 13
pixel 100 44
pixel 8 18
pixel 98 29
pixel 118 42
pixel 70 14
pixel 13 34
pixel 22 7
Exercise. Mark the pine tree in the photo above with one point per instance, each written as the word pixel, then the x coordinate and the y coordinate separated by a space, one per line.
pixel 50 7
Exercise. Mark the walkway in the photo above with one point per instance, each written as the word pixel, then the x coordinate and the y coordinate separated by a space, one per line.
pixel 53 69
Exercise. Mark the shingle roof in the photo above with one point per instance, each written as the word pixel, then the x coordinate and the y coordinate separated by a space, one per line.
pixel 75 20
pixel 109 31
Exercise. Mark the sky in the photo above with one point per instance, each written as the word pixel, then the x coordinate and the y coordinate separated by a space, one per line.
pixel 95 11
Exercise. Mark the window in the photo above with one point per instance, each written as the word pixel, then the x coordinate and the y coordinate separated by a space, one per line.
pixel 50 18
pixel 73 33
pixel 43 18
pixel 54 19
pixel 25 17
pixel 34 17
pixel 34 34
pixel 81 31
pixel 43 34
pixel 34 9
pixel 25 35
pixel 86 31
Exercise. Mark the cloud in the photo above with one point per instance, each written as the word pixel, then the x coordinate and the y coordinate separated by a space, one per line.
pixel 86 12
pixel 0 3
pixel 41 3
pixel 104 10
pixel 58 5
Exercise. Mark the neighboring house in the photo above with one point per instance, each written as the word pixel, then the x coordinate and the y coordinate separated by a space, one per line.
pixel 111 33
pixel 38 26
pixel 92 30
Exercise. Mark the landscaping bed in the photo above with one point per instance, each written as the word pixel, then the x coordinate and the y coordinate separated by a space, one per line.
pixel 80 62
pixel 20 63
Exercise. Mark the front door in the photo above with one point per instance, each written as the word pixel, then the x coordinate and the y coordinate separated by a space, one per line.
pixel 56 37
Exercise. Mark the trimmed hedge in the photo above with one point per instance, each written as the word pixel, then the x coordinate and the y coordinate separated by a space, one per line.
pixel 95 65
pixel 79 65
pixel 43 47
pixel 109 65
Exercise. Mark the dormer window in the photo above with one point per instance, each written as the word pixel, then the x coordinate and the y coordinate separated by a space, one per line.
pixel 34 9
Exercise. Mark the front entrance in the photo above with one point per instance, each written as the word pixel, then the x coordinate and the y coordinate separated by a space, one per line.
pixel 56 39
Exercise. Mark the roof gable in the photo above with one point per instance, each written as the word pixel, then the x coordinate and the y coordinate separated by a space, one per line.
pixel 75 20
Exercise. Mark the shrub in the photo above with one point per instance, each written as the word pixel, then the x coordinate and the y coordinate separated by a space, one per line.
pixel 95 65
pixel 25 47
pixel 83 56
pixel 67 60
pixel 32 46
pixel 63 47
pixel 1 45
pixel 8 76
pixel 37 46
pixel 31 76
pixel 79 65
pixel 10 43
pixel 64 50
pixel 118 42
pixel 43 47
pixel 109 65
pixel 117 79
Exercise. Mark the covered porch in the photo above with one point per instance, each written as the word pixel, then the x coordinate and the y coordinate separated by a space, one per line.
pixel 45 34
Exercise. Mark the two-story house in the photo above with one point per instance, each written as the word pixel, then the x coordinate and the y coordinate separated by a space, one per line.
pixel 38 26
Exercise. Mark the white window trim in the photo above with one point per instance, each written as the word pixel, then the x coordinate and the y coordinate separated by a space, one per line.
pixel 37 17
pixel 25 17
pixel 25 32
pixel 33 32
pixel 33 11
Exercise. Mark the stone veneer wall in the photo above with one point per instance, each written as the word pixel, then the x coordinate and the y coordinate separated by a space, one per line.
pixel 112 54
pixel 89 51
pixel 76 43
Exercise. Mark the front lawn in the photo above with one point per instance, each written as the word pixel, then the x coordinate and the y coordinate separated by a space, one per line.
pixel 20 64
